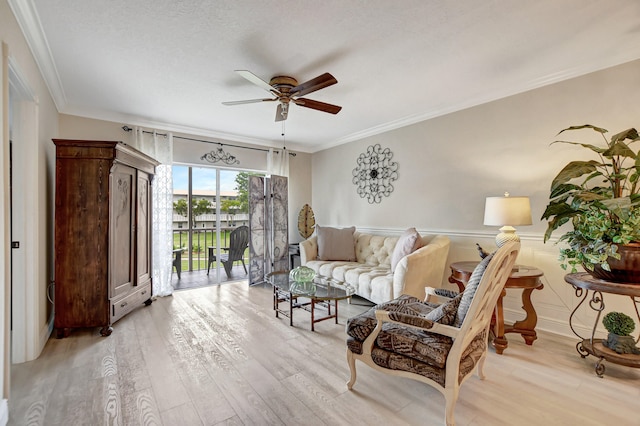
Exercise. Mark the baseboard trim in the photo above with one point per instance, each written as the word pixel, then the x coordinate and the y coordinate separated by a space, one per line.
pixel 4 412
pixel 45 333
pixel 551 325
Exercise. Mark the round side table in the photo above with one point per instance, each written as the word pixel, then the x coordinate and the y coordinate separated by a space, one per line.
pixel 583 283
pixel 523 277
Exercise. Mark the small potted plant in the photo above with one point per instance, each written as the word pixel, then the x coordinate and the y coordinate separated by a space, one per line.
pixel 601 198
pixel 620 326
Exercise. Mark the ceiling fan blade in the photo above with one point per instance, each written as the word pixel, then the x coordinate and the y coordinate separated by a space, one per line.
pixel 282 113
pixel 320 106
pixel 249 101
pixel 256 80
pixel 314 84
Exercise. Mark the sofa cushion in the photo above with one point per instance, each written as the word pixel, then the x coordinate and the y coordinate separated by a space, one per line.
pixel 470 289
pixel 375 249
pixel 409 241
pixel 336 244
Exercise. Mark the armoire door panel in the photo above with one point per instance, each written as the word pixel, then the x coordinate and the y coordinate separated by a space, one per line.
pixel 81 237
pixel 122 224
pixel 143 229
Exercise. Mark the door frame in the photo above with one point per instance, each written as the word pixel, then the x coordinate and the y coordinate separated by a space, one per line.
pixel 26 337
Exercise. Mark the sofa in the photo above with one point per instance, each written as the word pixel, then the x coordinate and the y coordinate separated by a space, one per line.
pixel 380 268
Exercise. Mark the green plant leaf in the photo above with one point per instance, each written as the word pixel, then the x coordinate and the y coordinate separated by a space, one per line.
pixel 574 170
pixel 626 134
pixel 558 209
pixel 565 189
pixel 554 224
pixel 621 149
pixel 586 196
pixel 585 126
pixel 593 148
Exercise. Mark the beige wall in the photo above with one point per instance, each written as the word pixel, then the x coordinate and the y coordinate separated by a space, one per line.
pixel 449 164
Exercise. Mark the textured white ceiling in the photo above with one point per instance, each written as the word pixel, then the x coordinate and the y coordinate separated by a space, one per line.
pixel 169 64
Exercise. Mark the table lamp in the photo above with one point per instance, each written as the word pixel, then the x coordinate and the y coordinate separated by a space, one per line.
pixel 507 212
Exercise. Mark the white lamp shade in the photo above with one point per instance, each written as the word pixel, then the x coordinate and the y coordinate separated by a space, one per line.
pixel 510 211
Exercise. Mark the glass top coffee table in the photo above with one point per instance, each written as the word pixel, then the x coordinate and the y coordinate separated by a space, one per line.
pixel 321 293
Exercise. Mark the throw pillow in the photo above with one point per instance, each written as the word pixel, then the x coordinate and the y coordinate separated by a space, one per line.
pixel 446 313
pixel 336 244
pixel 409 241
pixel 470 289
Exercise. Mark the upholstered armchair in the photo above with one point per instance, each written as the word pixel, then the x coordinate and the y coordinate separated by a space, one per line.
pixel 439 345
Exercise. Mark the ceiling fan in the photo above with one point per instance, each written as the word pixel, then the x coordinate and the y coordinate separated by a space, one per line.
pixel 287 90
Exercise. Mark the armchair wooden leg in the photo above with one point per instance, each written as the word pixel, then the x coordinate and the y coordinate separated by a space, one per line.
pixel 480 367
pixel 352 368
pixel 449 409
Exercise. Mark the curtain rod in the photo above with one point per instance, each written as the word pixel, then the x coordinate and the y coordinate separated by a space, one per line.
pixel 129 129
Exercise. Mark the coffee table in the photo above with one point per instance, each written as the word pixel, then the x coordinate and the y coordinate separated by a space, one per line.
pixel 326 295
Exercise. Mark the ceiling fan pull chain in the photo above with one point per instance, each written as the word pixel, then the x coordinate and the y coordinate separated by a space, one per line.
pixel 284 147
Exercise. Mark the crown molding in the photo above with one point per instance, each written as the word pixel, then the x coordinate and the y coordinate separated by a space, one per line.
pixel 177 128
pixel 29 22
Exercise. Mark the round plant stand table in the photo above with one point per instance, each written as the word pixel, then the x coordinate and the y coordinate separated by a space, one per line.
pixel 583 283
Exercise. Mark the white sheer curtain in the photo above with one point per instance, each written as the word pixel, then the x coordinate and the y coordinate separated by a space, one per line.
pixel 160 148
pixel 278 162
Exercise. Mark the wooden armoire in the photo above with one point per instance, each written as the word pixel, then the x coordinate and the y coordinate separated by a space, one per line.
pixel 102 233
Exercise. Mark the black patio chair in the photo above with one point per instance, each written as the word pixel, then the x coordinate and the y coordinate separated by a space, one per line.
pixel 238 243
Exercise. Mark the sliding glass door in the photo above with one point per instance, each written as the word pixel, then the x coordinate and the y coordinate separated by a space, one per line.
pixel 208 205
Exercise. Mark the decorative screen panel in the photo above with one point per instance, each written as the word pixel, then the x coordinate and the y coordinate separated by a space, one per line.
pixel 257 230
pixel 268 226
pixel 279 223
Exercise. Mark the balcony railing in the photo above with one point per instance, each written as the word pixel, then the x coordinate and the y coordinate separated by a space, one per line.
pixel 196 257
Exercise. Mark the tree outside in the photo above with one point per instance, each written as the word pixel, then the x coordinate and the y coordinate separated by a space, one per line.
pixel 242 186
pixel 198 207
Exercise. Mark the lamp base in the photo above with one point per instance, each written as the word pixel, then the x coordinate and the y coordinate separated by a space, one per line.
pixel 507 233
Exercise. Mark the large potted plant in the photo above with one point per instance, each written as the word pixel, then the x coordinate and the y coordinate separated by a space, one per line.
pixel 601 198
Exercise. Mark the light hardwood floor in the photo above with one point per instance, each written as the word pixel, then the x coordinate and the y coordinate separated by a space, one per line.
pixel 218 356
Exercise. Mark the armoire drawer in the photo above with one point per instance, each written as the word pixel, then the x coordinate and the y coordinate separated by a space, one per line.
pixel 130 302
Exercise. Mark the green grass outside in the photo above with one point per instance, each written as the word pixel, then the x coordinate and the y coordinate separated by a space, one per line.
pixel 201 240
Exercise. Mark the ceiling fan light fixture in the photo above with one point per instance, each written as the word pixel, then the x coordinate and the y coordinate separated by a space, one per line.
pixel 286 89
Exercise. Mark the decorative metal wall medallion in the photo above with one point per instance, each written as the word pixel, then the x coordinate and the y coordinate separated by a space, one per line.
pixel 220 156
pixel 375 173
